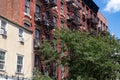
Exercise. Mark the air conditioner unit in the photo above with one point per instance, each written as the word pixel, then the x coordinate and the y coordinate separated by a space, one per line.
pixel 37 19
pixel 3 32
pixel 21 39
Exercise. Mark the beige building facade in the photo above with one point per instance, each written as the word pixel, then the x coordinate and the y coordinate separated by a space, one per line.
pixel 16 51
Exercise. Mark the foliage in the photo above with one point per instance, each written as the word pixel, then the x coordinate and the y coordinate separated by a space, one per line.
pixel 92 57
pixel 38 76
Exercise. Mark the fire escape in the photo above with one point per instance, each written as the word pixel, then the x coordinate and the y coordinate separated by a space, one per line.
pixel 92 21
pixel 73 15
pixel 49 3
pixel 47 21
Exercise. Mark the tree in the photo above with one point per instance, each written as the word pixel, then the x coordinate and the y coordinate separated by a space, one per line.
pixel 38 76
pixel 91 57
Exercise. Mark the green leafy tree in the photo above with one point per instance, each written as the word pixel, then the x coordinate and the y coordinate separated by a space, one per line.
pixel 38 76
pixel 91 57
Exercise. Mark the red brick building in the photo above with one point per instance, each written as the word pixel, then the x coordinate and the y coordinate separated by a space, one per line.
pixel 43 16
pixel 102 22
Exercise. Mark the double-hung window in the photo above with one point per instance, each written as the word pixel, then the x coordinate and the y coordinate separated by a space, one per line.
pixel 3 30
pixel 54 20
pixel 27 6
pixel 2 60
pixel 37 10
pixel 37 61
pixel 19 64
pixel 62 7
pixel 37 37
pixel 21 38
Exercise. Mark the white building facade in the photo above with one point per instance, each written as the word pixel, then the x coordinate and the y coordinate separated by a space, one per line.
pixel 16 51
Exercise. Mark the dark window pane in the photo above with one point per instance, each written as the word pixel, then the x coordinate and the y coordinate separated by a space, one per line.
pixel 27 6
pixel 37 34
pixel 27 25
pixel 38 9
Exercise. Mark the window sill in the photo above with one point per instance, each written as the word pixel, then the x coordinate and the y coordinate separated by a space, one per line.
pixel 28 15
pixel 62 14
pixel 19 73
pixel 2 70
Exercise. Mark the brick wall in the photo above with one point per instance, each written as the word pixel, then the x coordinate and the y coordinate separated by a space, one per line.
pixel 10 9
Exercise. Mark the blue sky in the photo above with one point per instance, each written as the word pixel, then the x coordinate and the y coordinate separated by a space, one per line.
pixel 111 10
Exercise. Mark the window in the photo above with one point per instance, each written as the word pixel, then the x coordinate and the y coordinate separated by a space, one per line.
pixel 2 60
pixel 27 6
pixel 62 23
pixel 78 19
pixel 3 28
pixel 62 7
pixel 54 19
pixel 87 11
pixel 37 61
pixel 63 71
pixel 37 34
pixel 91 14
pixel 19 63
pixel 21 39
pixel 37 9
pixel 20 33
pixel 99 29
pixel 37 37
pixel 83 7
pixel 54 70
pixel 26 24
pixel 47 14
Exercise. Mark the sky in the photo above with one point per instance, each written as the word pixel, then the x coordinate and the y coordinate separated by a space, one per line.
pixel 111 10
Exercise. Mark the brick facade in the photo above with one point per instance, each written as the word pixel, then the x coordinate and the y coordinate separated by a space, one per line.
pixel 72 14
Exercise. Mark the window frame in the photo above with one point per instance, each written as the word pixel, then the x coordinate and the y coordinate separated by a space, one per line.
pixel 37 9
pixel 37 36
pixel 62 71
pixel 20 34
pixel 54 19
pixel 3 27
pixel 62 7
pixel 18 64
pixel 3 61
pixel 27 6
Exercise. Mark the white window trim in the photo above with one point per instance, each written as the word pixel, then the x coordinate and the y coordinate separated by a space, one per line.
pixel 20 37
pixel 4 59
pixel 3 30
pixel 22 71
pixel 27 6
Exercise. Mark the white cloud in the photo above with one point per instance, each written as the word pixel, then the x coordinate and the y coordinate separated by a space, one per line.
pixel 112 6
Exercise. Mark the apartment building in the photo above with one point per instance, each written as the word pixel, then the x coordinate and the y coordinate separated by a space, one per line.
pixel 102 22
pixel 15 51
pixel 43 16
